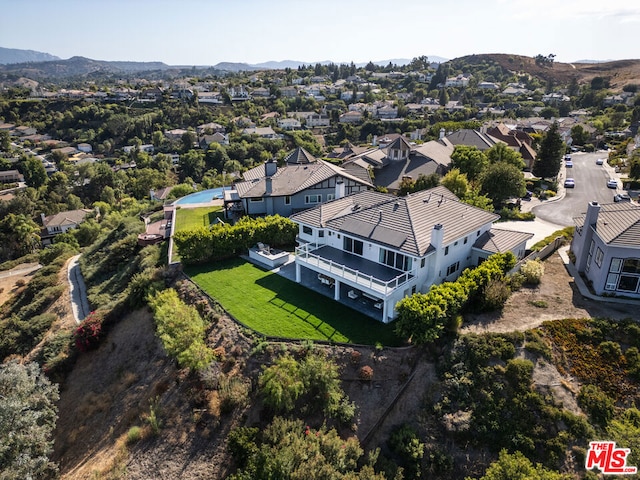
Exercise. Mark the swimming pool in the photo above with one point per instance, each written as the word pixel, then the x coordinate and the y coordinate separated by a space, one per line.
pixel 205 196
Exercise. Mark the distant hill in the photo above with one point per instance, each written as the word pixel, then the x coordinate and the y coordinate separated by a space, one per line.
pixel 15 55
pixel 618 72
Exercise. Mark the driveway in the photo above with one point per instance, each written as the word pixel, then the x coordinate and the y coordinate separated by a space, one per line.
pixel 77 290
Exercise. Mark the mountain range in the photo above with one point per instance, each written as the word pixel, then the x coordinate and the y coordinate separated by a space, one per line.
pixel 16 59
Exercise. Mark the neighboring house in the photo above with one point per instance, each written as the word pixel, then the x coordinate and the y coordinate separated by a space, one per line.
pixel 318 120
pixel 205 140
pixel 351 117
pixel 175 134
pixel 517 140
pixel 10 176
pixel 398 160
pixel 210 128
pixel 263 132
pixel 289 123
pixel 606 245
pixel 84 147
pixel 288 92
pixel 302 183
pixel 60 223
pixel 147 147
pixel 23 131
pixel 373 249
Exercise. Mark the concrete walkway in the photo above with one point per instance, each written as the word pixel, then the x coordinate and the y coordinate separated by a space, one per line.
pixel 77 290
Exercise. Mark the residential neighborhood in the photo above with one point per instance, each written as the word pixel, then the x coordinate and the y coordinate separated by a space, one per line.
pixel 400 269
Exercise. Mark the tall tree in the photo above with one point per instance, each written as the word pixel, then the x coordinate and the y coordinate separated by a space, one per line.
pixel 500 152
pixel 28 416
pixel 549 158
pixel 471 161
pixel 501 181
pixel 456 182
pixel 34 173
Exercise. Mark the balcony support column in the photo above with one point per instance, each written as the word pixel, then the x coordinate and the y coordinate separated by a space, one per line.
pixel 384 310
pixel 298 273
pixel 336 290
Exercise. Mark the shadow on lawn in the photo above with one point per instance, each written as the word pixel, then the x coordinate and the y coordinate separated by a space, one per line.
pixel 306 317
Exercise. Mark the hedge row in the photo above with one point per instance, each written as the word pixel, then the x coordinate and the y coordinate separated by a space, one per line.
pixel 205 244
pixel 422 317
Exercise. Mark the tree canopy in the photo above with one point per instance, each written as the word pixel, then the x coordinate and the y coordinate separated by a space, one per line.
pixel 549 158
pixel 28 415
pixel 501 181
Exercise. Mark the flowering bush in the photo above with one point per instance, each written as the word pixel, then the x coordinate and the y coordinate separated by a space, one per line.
pixel 88 334
pixel 365 373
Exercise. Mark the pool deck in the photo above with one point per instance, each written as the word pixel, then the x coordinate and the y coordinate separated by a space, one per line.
pixel 216 202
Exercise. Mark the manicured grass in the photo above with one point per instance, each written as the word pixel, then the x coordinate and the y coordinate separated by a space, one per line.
pixel 187 218
pixel 275 306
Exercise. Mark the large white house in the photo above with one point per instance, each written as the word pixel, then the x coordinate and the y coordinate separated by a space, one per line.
pixel 373 249
pixel 606 245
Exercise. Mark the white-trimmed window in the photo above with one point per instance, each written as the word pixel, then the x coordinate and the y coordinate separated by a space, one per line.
pixel 256 200
pixel 599 256
pixel 307 230
pixel 311 199
pixel 453 268
pixel 330 196
pixel 287 200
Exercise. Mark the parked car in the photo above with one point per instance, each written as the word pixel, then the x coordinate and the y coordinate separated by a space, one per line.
pixel 600 161
pixel 612 183
pixel 569 183
pixel 621 197
pixel 567 157
pixel 568 164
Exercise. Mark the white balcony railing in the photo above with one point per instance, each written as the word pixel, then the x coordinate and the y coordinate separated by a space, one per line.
pixel 381 287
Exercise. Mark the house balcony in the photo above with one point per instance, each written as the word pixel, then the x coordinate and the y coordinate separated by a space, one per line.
pixel 370 277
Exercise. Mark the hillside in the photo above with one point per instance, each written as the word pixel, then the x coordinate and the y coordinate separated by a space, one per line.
pixel 15 55
pixel 619 72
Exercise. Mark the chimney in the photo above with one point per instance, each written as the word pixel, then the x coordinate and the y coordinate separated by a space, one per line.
pixel 42 218
pixel 437 236
pixel 593 210
pixel 441 133
pixel 268 185
pixel 270 168
pixel 339 189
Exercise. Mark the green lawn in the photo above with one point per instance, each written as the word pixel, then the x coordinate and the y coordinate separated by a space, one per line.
pixel 275 306
pixel 187 218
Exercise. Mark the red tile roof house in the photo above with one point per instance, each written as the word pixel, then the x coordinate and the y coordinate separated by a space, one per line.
pixel 370 249
pixel 60 223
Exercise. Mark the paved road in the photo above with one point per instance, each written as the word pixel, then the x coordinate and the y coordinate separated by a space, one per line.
pixel 591 185
pixel 77 290
pixel 20 271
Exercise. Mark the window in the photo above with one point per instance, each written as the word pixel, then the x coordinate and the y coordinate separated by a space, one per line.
pixel 307 230
pixel 612 281
pixel 599 256
pixel 287 200
pixel 455 244
pixel 255 199
pixel 423 262
pixel 310 199
pixel 453 268
pixel 616 265
pixel 465 240
pixel 446 250
pixel 478 233
pixel 396 260
pixel 352 245
pixel 330 196
pixel 628 283
pixel 631 265
pixel 321 233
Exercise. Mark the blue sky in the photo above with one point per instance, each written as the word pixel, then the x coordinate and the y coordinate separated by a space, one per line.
pixel 201 32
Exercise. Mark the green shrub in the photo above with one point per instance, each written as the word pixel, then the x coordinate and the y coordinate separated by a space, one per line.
pixel 533 270
pixel 233 392
pixel 181 330
pixel 495 295
pixel 598 405
pixel 134 435
pixel 404 441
